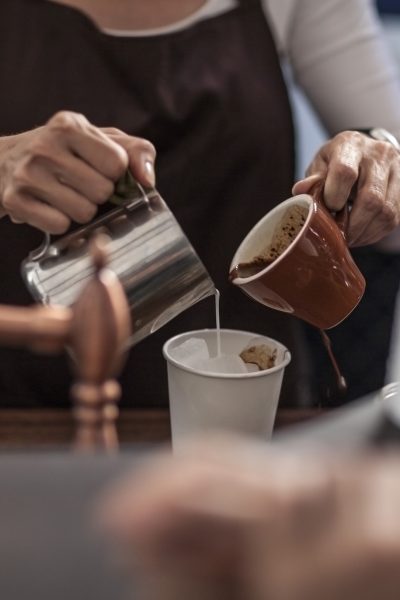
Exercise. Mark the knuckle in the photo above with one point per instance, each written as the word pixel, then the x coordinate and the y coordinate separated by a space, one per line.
pixel 21 177
pixel 353 136
pixel 383 147
pixel 141 146
pixel 148 148
pixel 388 215
pixel 65 121
pixel 60 226
pixel 383 154
pixel 358 136
pixel 115 131
pixel 39 150
pixel 116 166
pixel 85 213
pixel 104 191
pixel 341 136
pixel 8 201
pixel 373 201
pixel 346 172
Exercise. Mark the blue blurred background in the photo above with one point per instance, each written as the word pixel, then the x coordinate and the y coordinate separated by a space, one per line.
pixel 388 6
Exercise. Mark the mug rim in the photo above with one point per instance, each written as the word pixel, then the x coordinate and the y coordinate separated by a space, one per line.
pixel 242 280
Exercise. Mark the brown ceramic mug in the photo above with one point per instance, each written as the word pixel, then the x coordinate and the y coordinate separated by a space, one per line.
pixel 315 277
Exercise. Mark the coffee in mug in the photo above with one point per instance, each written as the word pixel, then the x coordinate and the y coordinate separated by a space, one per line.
pixel 285 233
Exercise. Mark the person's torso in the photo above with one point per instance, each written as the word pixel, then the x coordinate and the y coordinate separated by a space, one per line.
pixel 210 97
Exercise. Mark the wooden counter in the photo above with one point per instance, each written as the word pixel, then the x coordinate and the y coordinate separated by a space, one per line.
pixel 41 428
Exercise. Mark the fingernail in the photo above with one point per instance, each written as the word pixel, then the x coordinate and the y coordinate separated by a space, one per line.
pixel 150 175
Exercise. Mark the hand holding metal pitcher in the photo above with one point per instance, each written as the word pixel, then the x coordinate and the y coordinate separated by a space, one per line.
pixel 159 269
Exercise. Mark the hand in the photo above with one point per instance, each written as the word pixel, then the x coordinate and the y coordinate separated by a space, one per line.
pixel 268 526
pixel 365 171
pixel 63 171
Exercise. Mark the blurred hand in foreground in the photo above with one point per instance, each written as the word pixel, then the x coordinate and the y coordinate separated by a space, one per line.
pixel 230 520
pixel 63 171
pixel 365 171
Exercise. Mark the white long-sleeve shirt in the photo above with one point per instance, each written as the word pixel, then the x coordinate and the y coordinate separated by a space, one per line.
pixel 337 54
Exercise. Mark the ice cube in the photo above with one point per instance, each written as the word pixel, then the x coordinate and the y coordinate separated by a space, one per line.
pixel 225 363
pixel 191 352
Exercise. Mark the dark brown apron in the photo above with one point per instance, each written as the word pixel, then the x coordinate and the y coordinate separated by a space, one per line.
pixel 213 101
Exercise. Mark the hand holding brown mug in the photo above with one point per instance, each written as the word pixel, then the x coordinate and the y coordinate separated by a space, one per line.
pixel 366 170
pixel 296 260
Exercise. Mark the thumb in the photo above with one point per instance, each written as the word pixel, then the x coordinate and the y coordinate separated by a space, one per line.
pixel 303 186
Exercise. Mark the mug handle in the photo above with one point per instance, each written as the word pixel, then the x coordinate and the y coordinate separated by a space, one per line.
pixel 341 217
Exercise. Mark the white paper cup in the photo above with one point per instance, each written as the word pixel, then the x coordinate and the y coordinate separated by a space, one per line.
pixel 202 402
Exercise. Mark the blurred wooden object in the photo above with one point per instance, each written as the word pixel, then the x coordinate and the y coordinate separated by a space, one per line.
pixel 95 330
pixel 98 338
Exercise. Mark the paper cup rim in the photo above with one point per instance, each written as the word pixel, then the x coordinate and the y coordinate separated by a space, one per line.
pixel 286 356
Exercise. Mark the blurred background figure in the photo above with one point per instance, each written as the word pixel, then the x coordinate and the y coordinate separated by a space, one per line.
pixel 230 520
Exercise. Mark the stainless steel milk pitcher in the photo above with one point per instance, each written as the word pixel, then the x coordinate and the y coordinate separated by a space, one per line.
pixel 158 268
